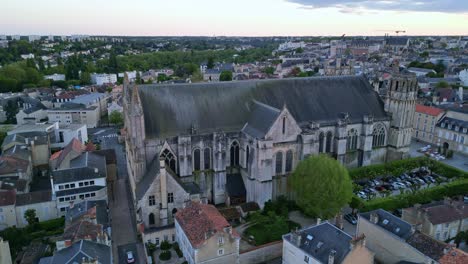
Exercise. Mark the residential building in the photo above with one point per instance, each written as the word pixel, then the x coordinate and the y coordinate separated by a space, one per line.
pixel 102 78
pixel 84 180
pixel 68 132
pixel 32 147
pixel 114 106
pixel 394 240
pixel 425 121
pixel 440 220
pixel 324 243
pixel 41 202
pixel 5 256
pixel 205 236
pixel 98 100
pixel 81 252
pixel 454 256
pixel 211 75
pixel 62 158
pixel 75 115
pixel 420 71
pixel 451 131
pixel 463 75
pixel 7 209
pixel 55 77
pixel 31 115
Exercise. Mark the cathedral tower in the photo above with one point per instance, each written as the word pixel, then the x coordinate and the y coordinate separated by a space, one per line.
pixel 400 101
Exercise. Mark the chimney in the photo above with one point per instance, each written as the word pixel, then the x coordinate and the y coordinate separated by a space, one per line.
pixel 374 218
pixel 331 257
pixel 319 221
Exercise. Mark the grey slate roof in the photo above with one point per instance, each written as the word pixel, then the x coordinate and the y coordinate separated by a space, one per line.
pixel 394 225
pixel 76 174
pixel 455 123
pixel 318 241
pixel 151 173
pixel 33 198
pixel 173 109
pixel 79 250
pixel 261 119
pixel 397 41
pixel 80 209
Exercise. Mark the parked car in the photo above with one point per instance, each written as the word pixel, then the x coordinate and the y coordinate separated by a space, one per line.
pixel 351 219
pixel 130 258
pixel 380 188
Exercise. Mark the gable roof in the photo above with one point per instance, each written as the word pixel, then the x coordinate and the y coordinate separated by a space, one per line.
pixel 427 245
pixel 200 222
pixel 74 145
pixel 10 164
pixel 319 241
pixel 82 249
pixel 33 197
pixel 391 223
pixel 261 119
pixel 174 109
pixel 428 110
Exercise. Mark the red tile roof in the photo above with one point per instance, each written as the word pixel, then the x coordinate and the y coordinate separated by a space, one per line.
pixel 428 110
pixel 7 198
pixel 200 222
pixel 10 164
pixel 55 155
pixel 454 256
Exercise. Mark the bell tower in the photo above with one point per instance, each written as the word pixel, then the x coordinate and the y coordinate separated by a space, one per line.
pixel 400 102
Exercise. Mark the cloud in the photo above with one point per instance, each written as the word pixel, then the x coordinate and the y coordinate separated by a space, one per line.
pixel 443 6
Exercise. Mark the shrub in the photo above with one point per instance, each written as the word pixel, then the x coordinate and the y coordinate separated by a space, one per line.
pixel 400 166
pixel 53 224
pixel 391 203
pixel 177 249
pixel 449 154
pixel 165 255
pixel 165 245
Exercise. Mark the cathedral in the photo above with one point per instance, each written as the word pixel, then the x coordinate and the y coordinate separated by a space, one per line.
pixel 235 142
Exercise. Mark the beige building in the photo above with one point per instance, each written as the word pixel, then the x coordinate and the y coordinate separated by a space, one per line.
pixel 205 236
pixel 394 240
pixel 440 220
pixel 41 202
pixel 7 209
pixel 325 243
pixel 426 118
pixel 89 116
pixel 451 132
pixel 5 256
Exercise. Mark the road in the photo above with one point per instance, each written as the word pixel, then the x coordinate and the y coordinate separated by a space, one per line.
pixel 124 233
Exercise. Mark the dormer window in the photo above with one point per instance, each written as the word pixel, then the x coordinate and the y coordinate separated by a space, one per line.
pixel 450 126
pixel 465 130
pixel 442 125
pixel 385 222
pixel 457 128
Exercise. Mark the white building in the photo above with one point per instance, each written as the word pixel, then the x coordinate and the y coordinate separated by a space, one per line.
pixel 89 116
pixel 55 77
pixel 84 180
pixel 100 79
pixel 67 132
pixel 463 75
pixel 27 56
pixel 32 38
pixel 291 45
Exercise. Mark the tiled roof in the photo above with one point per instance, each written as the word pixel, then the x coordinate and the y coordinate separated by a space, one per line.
pixel 9 164
pixel 428 110
pixel 427 245
pixel 33 197
pixel 454 256
pixel 7 198
pixel 200 222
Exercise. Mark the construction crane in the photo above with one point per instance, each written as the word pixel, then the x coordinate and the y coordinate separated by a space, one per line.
pixel 396 31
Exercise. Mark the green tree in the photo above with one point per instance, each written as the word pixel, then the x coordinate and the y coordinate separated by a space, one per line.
pixel 30 216
pixel 116 118
pixel 40 62
pixel 356 203
pixel 11 109
pixel 442 84
pixel 321 186
pixel 225 76
pixel 85 78
pixel 269 70
pixel 210 63
pixel 113 64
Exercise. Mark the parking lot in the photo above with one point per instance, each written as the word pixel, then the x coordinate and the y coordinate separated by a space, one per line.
pixel 419 178
pixel 458 160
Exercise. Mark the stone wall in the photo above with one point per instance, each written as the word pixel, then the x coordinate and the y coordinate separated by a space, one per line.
pixel 262 253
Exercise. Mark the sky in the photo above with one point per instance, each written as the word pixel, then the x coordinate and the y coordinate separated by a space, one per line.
pixel 233 18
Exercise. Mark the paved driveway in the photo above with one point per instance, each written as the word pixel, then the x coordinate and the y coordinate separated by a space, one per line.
pixel 124 234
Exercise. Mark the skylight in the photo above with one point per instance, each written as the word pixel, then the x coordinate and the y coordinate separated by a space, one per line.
pixel 309 237
pixel 385 221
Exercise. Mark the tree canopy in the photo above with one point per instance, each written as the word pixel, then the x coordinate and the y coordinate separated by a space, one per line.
pixel 225 76
pixel 321 186
pixel 116 118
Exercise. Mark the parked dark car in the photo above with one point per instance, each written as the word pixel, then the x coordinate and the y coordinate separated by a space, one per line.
pixel 351 219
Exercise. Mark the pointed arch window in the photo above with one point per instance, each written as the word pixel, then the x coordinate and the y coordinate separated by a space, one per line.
pixel 247 154
pixel 352 140
pixel 207 158
pixel 234 154
pixel 196 160
pixel 284 125
pixel 378 136
pixel 169 159
pixel 279 163
pixel 321 137
pixel 328 143
pixel 289 160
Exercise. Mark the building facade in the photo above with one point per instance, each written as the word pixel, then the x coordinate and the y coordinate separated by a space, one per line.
pixel 426 118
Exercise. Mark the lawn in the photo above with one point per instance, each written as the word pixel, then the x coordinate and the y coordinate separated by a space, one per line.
pixel 266 233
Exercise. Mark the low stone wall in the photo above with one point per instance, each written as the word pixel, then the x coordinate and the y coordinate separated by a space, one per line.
pixel 262 253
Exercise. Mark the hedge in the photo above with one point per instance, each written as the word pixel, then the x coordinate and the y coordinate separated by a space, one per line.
pixel 391 203
pixel 165 255
pixel 399 167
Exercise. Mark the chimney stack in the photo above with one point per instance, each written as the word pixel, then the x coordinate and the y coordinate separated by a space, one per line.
pixel 374 218
pixel 331 257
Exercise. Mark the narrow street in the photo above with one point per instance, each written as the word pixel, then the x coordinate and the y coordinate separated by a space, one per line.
pixel 124 233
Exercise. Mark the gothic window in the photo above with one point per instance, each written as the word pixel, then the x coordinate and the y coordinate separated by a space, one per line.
pixel 196 160
pixel 247 153
pixel 234 154
pixel 378 136
pixel 289 160
pixel 321 136
pixel 207 158
pixel 169 159
pixel 279 163
pixel 328 144
pixel 284 125
pixel 170 197
pixel 151 200
pixel 151 219
pixel 351 142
